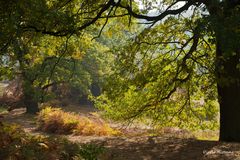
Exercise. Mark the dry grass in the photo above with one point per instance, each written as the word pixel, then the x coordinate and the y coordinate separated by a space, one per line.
pixel 54 120
pixel 15 144
pixel 2 86
pixel 207 135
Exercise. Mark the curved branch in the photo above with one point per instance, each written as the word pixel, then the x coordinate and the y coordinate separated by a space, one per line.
pixel 163 14
pixel 64 32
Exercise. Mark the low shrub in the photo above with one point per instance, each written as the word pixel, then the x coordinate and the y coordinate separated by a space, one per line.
pixel 18 145
pixel 54 120
pixel 91 151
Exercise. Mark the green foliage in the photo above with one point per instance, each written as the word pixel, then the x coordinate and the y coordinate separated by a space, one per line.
pixel 42 45
pixel 91 151
pixel 165 74
pixel 3 109
pixel 81 152
pixel 46 43
pixel 156 82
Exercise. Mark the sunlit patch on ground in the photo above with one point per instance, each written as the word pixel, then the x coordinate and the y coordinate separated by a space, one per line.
pixel 145 146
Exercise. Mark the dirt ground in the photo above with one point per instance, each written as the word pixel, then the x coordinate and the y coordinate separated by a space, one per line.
pixel 139 147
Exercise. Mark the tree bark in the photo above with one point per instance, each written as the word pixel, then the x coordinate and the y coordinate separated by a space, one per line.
pixel 31 105
pixel 30 100
pixel 225 25
pixel 228 84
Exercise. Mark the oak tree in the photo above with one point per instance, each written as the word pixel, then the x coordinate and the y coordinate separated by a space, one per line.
pixel 199 23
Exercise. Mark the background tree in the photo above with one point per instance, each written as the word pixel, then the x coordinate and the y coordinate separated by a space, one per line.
pixel 45 43
pixel 38 45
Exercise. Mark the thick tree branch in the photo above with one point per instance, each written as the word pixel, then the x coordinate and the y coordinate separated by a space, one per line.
pixel 162 15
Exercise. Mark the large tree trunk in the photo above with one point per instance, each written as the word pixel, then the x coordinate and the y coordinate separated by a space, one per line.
pixel 31 105
pixel 224 16
pixel 229 113
pixel 30 100
pixel 228 79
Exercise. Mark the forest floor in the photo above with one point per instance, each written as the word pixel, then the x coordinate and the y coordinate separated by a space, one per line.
pixel 138 146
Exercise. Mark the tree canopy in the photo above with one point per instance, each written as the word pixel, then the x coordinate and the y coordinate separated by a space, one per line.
pixel 183 57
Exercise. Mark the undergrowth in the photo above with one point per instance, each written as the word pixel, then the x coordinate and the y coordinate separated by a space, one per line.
pixel 3 110
pixel 54 120
pixel 15 144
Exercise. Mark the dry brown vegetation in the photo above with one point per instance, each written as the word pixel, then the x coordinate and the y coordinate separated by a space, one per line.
pixel 143 146
pixel 54 120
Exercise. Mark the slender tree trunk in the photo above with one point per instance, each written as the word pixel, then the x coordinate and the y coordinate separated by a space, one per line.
pixel 228 83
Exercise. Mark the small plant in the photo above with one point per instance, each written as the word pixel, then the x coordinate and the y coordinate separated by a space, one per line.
pixel 3 109
pixel 16 144
pixel 91 151
pixel 54 120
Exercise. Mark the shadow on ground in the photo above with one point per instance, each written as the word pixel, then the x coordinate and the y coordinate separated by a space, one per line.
pixel 160 148
pixel 142 147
